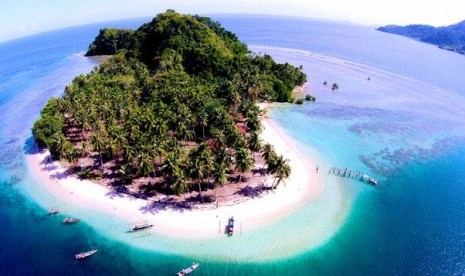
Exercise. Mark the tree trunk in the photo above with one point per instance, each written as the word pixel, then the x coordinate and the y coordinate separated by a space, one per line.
pixel 200 191
pixel 101 162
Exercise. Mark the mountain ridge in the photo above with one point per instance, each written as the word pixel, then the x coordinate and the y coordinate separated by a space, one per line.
pixel 450 37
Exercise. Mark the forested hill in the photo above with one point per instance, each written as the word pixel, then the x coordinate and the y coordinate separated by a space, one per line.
pixel 176 103
pixel 200 47
pixel 450 37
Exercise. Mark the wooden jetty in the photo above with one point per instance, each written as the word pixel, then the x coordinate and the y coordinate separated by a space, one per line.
pixel 346 173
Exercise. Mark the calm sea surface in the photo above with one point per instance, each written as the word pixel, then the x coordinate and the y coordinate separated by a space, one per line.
pixel 404 126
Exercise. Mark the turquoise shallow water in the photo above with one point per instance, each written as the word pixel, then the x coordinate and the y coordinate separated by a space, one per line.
pixel 403 126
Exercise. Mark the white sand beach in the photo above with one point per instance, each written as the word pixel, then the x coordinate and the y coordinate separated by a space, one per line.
pixel 304 184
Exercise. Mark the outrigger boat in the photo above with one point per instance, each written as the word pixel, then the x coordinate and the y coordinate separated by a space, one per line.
pixel 54 211
pixel 188 270
pixel 141 226
pixel 230 226
pixel 70 220
pixel 369 179
pixel 373 181
pixel 85 254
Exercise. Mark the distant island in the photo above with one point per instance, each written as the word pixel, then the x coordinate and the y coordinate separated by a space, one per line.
pixel 451 37
pixel 172 111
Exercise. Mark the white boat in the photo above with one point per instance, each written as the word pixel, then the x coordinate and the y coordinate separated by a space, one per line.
pixel 141 226
pixel 188 270
pixel 369 179
pixel 70 220
pixel 83 255
pixel 54 211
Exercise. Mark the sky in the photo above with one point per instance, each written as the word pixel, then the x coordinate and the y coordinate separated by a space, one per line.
pixel 20 18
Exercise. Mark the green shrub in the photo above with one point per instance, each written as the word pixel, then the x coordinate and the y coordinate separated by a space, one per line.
pixel 309 97
pixel 44 128
pixel 299 101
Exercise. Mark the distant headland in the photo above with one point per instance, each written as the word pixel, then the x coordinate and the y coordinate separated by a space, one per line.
pixel 450 38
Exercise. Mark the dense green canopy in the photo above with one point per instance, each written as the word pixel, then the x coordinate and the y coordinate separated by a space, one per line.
pixel 177 100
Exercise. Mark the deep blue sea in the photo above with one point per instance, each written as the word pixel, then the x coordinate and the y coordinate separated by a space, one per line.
pixel 404 126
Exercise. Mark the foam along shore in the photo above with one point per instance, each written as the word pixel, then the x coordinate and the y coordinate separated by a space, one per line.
pixel 303 184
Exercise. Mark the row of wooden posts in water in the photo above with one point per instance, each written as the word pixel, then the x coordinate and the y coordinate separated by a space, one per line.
pixel 353 175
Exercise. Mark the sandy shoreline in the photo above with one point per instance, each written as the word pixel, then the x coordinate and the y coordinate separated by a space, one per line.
pixel 303 184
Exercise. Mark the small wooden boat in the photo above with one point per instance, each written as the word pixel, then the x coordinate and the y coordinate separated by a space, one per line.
pixel 231 226
pixel 369 179
pixel 54 211
pixel 188 270
pixel 141 226
pixel 83 255
pixel 70 220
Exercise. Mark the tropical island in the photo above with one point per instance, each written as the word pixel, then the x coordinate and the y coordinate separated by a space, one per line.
pixel 450 38
pixel 172 111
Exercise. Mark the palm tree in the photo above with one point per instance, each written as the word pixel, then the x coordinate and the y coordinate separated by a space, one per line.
pixel 268 153
pixel 255 88
pixel 99 145
pixel 254 124
pixel 125 173
pixel 223 156
pixel 112 148
pixel 145 161
pixel 243 162
pixel 179 182
pixel 219 137
pixel 196 173
pixel 169 164
pixel 203 120
pixel 129 154
pixel 244 108
pixel 220 174
pixel 232 96
pixel 58 144
pixel 252 112
pixel 184 133
pixel 254 142
pixel 69 152
pixel 85 148
pixel 159 128
pixel 281 170
pixel 201 163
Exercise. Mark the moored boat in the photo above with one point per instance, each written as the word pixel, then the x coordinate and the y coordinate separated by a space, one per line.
pixel 188 270
pixel 54 211
pixel 369 179
pixel 141 226
pixel 231 226
pixel 70 220
pixel 83 255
